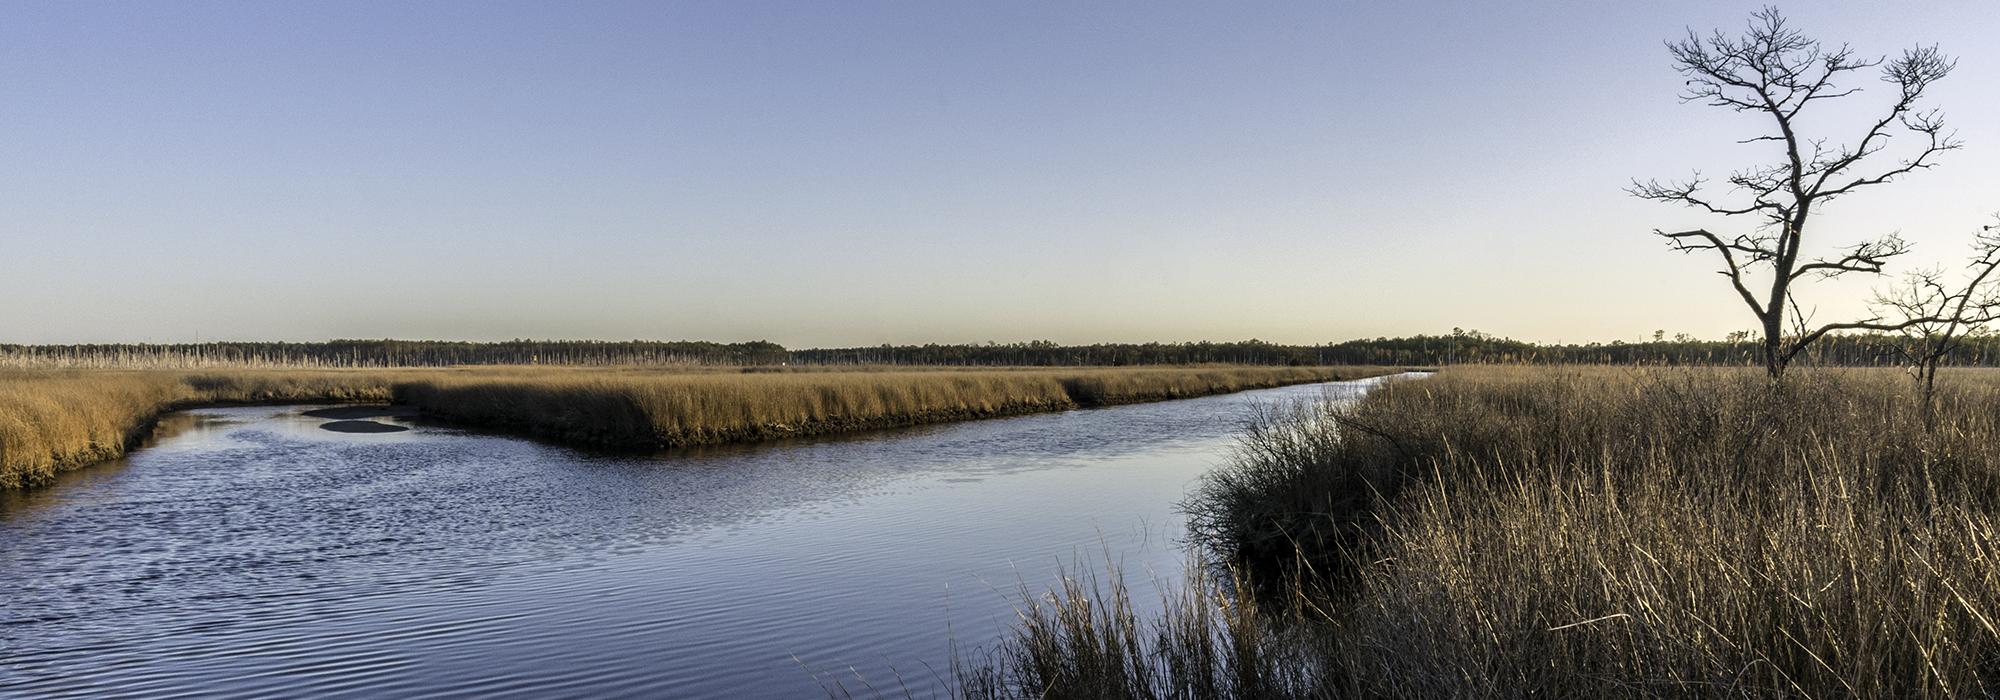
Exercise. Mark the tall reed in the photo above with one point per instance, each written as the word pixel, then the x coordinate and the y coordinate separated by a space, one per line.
pixel 52 420
pixel 56 420
pixel 636 409
pixel 1601 532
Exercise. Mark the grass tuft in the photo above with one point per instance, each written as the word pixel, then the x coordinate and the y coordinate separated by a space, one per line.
pixel 1592 532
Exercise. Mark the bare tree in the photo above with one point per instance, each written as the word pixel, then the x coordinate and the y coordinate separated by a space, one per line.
pixel 1776 72
pixel 1936 316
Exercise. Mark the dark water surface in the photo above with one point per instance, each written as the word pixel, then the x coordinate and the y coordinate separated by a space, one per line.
pixel 253 554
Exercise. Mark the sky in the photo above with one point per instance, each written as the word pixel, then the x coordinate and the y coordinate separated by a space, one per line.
pixel 857 173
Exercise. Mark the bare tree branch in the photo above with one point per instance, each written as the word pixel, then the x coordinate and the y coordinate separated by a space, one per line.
pixel 1776 71
pixel 1867 257
pixel 1709 241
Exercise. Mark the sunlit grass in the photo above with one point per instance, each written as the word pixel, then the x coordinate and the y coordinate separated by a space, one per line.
pixel 1588 532
pixel 651 409
pixel 54 420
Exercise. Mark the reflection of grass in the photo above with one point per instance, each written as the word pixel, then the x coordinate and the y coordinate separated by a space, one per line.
pixel 52 420
pixel 635 409
pixel 1583 532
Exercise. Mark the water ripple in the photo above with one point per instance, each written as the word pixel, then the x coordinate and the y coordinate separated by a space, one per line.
pixel 254 555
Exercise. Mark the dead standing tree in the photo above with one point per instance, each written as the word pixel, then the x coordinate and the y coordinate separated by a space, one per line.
pixel 1937 316
pixel 1777 72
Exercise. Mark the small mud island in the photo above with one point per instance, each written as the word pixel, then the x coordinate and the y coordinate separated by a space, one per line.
pixel 362 426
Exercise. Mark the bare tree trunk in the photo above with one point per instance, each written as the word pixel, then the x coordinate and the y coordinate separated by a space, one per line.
pixel 1776 71
pixel 1774 354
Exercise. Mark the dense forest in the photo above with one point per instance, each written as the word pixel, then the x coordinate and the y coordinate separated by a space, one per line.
pixel 1455 348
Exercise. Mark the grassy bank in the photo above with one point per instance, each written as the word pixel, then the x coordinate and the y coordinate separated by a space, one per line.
pixel 649 410
pixel 55 420
pixel 1574 533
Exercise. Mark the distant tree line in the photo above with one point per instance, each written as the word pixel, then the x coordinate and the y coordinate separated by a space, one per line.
pixel 400 353
pixel 1043 353
pixel 1459 347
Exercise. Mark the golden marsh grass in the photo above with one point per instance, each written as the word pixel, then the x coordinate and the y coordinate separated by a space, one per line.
pixel 1574 532
pixel 55 420
pixel 640 409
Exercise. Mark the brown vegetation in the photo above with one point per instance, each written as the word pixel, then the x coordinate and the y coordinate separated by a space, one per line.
pixel 54 420
pixel 1578 533
pixel 635 409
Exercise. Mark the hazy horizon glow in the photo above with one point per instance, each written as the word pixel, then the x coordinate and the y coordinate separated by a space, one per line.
pixel 857 174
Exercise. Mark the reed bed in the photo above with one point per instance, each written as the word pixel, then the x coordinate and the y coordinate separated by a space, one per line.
pixel 1582 532
pixel 56 420
pixel 51 420
pixel 674 410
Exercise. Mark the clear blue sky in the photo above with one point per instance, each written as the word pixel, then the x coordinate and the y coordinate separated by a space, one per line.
pixel 855 173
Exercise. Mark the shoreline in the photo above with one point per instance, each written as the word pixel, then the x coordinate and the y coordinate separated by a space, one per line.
pixel 837 425
pixel 610 410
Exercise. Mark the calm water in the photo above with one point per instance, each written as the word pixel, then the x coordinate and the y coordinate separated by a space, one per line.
pixel 252 554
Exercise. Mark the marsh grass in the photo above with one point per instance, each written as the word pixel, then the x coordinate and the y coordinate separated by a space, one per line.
pixel 671 410
pixel 1211 639
pixel 1589 532
pixel 52 420
pixel 56 420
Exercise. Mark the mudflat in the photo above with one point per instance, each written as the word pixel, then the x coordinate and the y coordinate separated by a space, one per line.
pixel 362 426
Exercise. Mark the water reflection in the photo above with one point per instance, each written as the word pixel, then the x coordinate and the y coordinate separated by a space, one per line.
pixel 249 552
